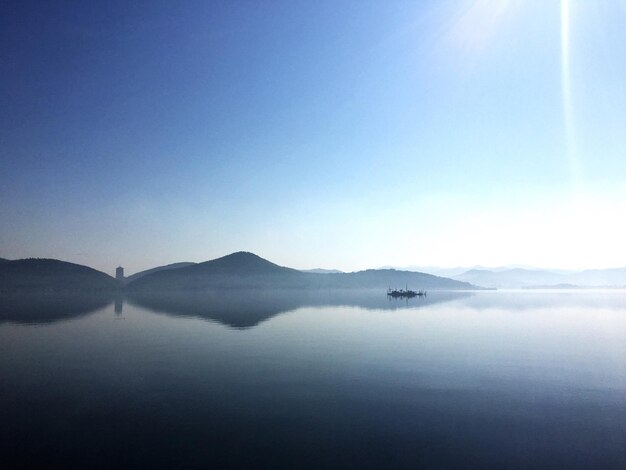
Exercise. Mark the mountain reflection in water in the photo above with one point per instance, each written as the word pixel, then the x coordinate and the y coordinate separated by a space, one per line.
pixel 325 379
pixel 237 309
pixel 248 309
pixel 46 308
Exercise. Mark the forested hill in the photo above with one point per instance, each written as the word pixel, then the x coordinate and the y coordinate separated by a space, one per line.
pixel 247 270
pixel 51 275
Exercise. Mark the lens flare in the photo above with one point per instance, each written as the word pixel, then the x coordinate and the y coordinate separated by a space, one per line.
pixel 566 90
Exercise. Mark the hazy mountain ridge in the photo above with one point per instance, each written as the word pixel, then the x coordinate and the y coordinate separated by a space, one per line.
pixel 239 270
pixel 247 270
pixel 529 278
pixel 453 272
pixel 599 277
pixel 322 271
pixel 133 277
pixel 384 278
pixel 434 270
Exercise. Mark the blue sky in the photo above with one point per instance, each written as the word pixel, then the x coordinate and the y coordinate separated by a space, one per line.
pixel 333 134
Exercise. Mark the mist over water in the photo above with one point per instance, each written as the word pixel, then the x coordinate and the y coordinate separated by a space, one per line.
pixel 507 379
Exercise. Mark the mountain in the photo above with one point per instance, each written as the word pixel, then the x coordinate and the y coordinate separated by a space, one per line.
pixel 599 277
pixel 384 278
pixel 239 269
pixel 247 270
pixel 528 278
pixel 458 270
pixel 158 268
pixel 553 286
pixel 434 270
pixel 321 271
pixel 51 275
pixel 510 278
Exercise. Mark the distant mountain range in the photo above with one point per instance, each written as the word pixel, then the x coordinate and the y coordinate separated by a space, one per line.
pixel 322 271
pixel 529 278
pixel 239 270
pixel 526 277
pixel 249 271
pixel 459 270
pixel 434 270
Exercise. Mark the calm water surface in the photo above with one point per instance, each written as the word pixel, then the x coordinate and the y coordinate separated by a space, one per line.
pixel 490 379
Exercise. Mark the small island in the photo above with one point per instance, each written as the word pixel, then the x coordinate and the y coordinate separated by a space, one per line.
pixel 405 293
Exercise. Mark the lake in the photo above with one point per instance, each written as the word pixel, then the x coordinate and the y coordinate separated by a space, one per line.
pixel 329 379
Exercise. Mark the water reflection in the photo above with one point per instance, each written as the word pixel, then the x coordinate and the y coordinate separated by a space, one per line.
pixel 457 380
pixel 119 305
pixel 48 308
pixel 528 300
pixel 248 309
pixel 232 308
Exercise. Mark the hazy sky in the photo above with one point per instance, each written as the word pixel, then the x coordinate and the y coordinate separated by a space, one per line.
pixel 334 134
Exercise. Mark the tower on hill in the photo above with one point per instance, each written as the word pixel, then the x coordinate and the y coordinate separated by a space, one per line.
pixel 119 273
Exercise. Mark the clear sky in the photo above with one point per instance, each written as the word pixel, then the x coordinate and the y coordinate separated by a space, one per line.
pixel 332 134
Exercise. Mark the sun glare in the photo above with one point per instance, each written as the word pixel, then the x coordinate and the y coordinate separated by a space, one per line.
pixel 477 23
pixel 566 90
